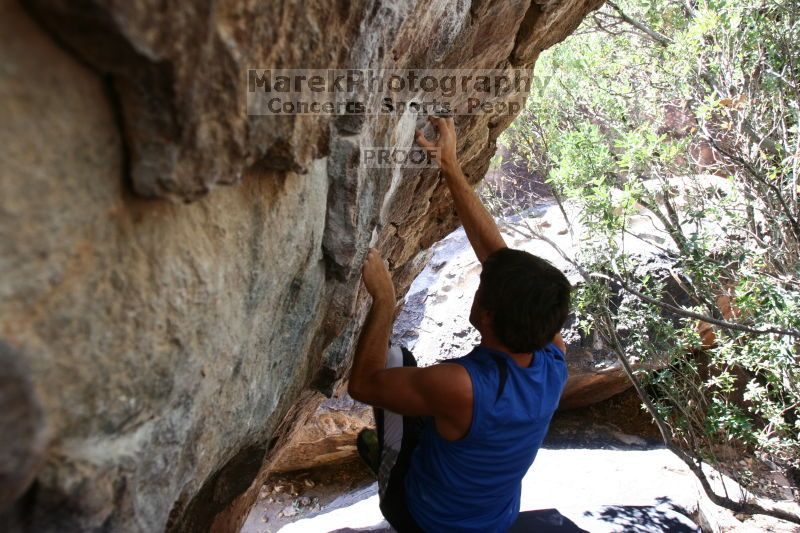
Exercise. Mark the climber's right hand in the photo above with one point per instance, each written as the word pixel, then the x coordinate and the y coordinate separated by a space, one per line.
pixel 443 150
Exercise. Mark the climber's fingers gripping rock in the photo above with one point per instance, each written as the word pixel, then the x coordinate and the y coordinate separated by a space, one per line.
pixel 443 149
pixel 377 278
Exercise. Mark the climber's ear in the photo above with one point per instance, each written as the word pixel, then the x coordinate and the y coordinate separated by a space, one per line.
pixel 478 316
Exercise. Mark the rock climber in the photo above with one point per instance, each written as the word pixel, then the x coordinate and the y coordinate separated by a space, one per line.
pixel 453 440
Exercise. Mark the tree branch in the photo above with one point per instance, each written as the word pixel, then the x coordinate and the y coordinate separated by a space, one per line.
pixel 690 314
pixel 660 38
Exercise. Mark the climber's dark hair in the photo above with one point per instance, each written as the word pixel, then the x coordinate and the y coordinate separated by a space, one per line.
pixel 526 297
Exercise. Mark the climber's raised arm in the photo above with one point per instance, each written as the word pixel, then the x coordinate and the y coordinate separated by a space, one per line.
pixel 370 356
pixel 443 391
pixel 479 225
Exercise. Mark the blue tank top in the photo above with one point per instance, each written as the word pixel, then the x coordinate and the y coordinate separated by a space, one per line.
pixel 474 483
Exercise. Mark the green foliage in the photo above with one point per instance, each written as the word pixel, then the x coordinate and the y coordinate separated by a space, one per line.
pixel 685 115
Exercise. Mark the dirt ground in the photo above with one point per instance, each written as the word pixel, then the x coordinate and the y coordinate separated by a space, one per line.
pixel 288 497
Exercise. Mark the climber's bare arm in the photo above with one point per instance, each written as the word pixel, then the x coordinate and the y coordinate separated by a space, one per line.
pixel 479 225
pixel 370 356
pixel 443 391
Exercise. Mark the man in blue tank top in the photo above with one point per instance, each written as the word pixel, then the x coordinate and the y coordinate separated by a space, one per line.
pixel 456 438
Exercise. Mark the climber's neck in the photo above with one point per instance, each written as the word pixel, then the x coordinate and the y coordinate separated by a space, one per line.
pixel 489 341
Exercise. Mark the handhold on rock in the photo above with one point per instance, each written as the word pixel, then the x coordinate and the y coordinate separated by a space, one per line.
pixel 350 123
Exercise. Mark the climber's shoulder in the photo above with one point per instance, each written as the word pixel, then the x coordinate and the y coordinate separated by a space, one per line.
pixel 449 390
pixel 449 383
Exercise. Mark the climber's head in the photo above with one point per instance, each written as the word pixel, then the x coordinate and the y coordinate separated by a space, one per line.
pixel 522 300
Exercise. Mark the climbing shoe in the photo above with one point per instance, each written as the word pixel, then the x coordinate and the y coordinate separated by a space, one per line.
pixel 368 449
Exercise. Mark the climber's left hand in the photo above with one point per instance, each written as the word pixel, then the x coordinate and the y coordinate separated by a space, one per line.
pixel 377 278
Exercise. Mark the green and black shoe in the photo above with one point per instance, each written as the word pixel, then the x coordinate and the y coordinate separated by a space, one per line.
pixel 368 449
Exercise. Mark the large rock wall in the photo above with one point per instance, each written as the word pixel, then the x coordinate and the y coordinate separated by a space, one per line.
pixel 163 350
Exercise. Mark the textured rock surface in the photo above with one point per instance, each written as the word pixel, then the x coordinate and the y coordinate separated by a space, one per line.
pixel 174 347
pixel 329 437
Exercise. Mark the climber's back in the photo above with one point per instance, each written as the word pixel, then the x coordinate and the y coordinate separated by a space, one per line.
pixel 473 484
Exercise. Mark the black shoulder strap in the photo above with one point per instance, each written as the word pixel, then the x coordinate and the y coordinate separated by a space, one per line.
pixel 502 367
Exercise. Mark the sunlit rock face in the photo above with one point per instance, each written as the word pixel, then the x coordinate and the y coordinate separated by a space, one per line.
pixel 180 278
